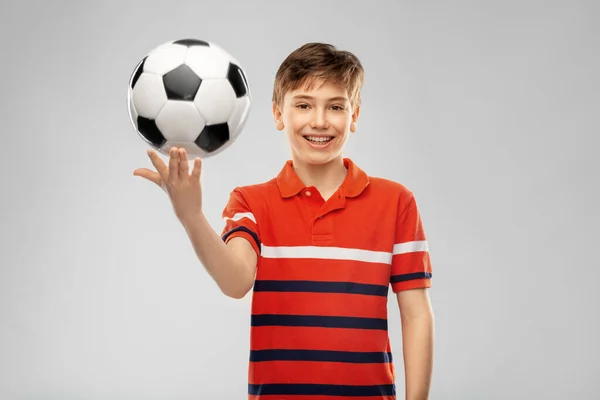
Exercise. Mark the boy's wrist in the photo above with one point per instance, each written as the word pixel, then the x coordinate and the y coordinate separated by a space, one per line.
pixel 193 220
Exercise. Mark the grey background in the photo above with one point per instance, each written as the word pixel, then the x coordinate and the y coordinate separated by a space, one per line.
pixel 488 111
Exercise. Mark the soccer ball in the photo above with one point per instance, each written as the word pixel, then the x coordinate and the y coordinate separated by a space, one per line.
pixel 191 94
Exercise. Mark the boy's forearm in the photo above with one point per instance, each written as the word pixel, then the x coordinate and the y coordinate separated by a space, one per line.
pixel 229 272
pixel 418 342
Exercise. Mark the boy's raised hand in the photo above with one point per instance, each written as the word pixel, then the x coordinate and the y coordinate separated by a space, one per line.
pixel 183 188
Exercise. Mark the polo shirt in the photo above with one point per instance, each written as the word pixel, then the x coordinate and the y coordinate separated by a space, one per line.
pixel 319 326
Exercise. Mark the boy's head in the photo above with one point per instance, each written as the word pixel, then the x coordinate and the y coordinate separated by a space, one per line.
pixel 316 96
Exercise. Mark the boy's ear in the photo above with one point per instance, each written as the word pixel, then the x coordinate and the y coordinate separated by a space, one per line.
pixel 277 117
pixel 355 115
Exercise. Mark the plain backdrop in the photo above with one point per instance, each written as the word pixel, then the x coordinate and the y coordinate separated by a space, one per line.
pixel 487 110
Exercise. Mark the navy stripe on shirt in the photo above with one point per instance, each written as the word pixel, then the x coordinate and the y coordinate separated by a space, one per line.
pixel 318 321
pixel 354 357
pixel 244 229
pixel 322 390
pixel 408 277
pixel 320 287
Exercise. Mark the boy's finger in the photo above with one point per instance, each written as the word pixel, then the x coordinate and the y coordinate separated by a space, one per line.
pixel 197 168
pixel 184 167
pixel 173 165
pixel 148 174
pixel 158 164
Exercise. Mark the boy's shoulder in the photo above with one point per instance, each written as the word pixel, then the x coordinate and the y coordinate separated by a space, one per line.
pixel 389 188
pixel 257 190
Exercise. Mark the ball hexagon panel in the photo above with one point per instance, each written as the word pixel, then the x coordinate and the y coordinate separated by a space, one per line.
pixel 149 95
pixel 207 62
pixel 215 100
pixel 213 137
pixel 229 56
pixel 163 60
pixel 180 121
pixel 181 83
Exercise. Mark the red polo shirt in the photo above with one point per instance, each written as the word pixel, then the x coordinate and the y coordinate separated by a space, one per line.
pixel 319 304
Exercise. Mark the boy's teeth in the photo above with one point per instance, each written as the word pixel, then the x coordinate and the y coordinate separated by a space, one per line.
pixel 318 139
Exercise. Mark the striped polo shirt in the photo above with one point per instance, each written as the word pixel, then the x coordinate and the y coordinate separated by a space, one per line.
pixel 319 326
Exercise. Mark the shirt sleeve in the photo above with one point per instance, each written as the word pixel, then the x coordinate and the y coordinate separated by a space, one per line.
pixel 240 221
pixel 411 264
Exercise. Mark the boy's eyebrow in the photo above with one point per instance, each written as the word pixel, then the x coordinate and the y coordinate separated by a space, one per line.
pixel 305 96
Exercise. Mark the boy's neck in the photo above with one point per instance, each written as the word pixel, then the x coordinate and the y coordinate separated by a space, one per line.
pixel 327 178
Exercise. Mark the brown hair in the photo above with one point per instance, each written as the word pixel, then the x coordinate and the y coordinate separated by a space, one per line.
pixel 319 62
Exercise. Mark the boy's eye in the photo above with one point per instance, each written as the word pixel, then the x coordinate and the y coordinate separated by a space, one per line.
pixel 304 106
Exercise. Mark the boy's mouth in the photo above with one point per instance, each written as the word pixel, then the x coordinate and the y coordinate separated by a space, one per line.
pixel 318 139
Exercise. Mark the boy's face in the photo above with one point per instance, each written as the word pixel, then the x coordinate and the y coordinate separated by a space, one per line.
pixel 317 122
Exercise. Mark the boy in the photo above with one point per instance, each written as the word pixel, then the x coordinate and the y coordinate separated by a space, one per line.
pixel 319 244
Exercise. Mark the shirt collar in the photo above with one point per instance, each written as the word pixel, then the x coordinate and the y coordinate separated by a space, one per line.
pixel 354 183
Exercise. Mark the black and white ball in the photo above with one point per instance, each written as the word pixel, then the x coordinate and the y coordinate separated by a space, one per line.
pixel 189 93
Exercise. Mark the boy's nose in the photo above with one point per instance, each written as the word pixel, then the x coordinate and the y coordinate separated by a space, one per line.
pixel 319 120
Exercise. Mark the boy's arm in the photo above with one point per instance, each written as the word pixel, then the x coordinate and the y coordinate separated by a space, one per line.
pixel 411 274
pixel 232 265
pixel 417 341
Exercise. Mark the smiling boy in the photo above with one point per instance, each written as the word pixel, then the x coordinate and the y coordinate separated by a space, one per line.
pixel 319 245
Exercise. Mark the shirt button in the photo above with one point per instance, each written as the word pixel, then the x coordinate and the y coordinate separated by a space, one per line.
pixel 307 193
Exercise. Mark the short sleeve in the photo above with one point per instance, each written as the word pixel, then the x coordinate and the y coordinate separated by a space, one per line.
pixel 240 221
pixel 411 264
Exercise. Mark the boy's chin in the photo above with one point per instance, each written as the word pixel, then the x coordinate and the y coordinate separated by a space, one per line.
pixel 310 158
